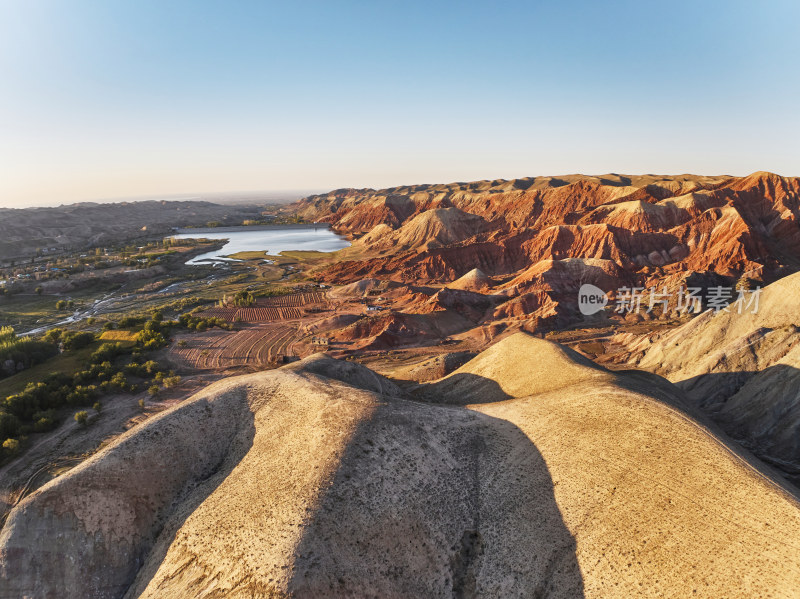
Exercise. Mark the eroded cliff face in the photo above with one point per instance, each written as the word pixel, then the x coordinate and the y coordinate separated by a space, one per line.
pixel 527 471
pixel 646 231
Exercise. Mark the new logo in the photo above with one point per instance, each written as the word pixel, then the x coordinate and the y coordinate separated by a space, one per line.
pixel 591 299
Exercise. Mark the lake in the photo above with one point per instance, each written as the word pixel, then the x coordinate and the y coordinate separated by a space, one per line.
pixel 268 239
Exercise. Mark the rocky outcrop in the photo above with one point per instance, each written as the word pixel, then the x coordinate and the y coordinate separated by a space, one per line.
pixel 469 304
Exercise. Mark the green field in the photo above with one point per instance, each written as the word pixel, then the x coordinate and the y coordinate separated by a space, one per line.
pixel 67 363
pixel 304 255
pixel 248 256
pixel 29 310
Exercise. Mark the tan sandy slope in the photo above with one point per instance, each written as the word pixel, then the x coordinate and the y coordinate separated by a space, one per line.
pixel 557 479
pixel 742 369
pixel 474 280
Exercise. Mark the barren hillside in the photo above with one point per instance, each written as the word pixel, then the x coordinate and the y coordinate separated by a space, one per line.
pixel 743 369
pixel 527 472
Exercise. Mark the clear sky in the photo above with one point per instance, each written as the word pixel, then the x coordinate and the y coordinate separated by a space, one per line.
pixel 111 98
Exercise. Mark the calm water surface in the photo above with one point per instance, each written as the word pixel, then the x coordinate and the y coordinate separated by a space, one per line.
pixel 270 240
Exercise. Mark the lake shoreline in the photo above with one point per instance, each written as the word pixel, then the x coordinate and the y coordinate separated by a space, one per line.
pixel 271 239
pixel 241 228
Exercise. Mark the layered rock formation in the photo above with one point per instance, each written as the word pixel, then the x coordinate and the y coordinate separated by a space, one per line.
pixel 429 229
pixel 526 472
pixel 647 231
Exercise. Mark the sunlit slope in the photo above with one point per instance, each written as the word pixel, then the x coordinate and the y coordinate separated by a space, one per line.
pixel 552 478
pixel 742 369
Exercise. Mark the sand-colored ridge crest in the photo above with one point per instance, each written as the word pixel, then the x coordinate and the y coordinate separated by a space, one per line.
pixel 518 365
pixel 474 280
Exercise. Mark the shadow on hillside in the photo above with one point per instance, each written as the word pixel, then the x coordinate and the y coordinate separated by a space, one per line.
pixel 195 493
pixel 434 500
pixel 460 389
pixel 764 420
pixel 656 386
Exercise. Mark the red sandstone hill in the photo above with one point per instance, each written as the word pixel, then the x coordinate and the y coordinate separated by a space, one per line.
pixel 622 230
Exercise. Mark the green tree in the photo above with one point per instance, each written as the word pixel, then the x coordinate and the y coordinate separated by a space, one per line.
pixel 82 417
pixel 39 290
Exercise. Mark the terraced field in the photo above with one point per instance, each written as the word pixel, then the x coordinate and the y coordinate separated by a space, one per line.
pixel 253 314
pixel 257 346
pixel 294 299
pixel 267 309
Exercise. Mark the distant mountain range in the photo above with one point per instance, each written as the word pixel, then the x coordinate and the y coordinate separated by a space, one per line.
pixel 22 231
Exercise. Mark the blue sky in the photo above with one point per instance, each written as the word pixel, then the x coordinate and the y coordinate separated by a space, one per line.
pixel 121 99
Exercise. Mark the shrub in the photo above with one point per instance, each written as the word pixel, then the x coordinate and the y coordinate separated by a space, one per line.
pixel 76 340
pixel 82 417
pixel 11 447
pixel 172 381
pixel 107 352
pixel 240 299
pixel 190 321
pixel 53 335
pixel 42 424
pixel 97 406
pixel 151 336
pixel 9 425
pixel 131 321
pixel 153 390
pixel 119 380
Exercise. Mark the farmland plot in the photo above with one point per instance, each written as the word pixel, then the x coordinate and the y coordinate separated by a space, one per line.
pixel 256 346
pixel 267 309
pixel 296 300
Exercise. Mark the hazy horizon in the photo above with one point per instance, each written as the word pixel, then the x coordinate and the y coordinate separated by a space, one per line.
pixel 221 197
pixel 130 100
pixel 289 196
